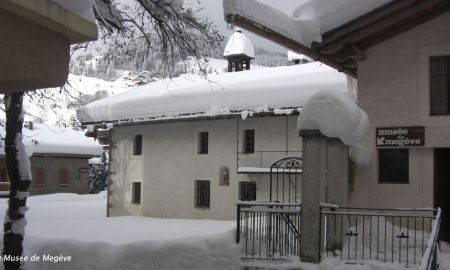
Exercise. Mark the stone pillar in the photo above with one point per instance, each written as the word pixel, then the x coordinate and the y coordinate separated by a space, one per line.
pixel 337 172
pixel 313 177
pixel 337 187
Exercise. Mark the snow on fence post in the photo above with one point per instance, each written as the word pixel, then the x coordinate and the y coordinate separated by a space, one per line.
pixel 18 166
pixel 313 177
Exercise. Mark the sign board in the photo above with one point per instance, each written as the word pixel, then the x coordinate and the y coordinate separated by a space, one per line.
pixel 400 136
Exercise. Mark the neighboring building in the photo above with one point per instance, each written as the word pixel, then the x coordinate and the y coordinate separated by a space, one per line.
pixel 48 27
pixel 190 147
pixel 399 51
pixel 59 159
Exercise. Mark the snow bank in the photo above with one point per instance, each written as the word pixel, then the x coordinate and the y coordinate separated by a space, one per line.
pixel 239 44
pixel 212 252
pixel 292 56
pixel 191 96
pixel 83 8
pixel 334 114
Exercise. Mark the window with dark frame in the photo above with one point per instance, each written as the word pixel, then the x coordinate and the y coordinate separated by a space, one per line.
pixel 440 85
pixel 203 140
pixel 136 193
pixel 63 177
pixel 393 166
pixel 249 141
pixel 202 193
pixel 247 191
pixel 137 145
pixel 40 178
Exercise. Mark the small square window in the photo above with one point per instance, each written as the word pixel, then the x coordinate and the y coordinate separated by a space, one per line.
pixel 202 193
pixel 137 145
pixel 393 166
pixel 136 193
pixel 63 177
pixel 247 191
pixel 40 178
pixel 203 140
pixel 249 141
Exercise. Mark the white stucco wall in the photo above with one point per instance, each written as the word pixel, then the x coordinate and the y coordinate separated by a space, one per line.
pixel 169 164
pixel 393 88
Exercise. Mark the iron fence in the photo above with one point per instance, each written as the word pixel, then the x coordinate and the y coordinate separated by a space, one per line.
pixel 388 235
pixel 268 230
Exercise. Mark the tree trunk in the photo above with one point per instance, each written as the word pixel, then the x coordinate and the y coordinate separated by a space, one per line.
pixel 18 166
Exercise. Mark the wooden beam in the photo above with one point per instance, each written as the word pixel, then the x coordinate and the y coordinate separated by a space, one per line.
pixel 381 24
pixel 288 43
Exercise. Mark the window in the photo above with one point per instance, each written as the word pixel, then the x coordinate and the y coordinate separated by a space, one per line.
pixel 137 145
pixel 393 166
pixel 3 177
pixel 40 181
pixel 202 193
pixel 136 193
pixel 63 177
pixel 440 84
pixel 247 191
pixel 249 141
pixel 203 138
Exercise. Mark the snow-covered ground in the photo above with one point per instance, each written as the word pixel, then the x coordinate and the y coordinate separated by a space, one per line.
pixel 76 226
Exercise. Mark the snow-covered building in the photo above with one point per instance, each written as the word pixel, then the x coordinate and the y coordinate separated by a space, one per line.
pixel 191 147
pixel 59 159
pixel 399 52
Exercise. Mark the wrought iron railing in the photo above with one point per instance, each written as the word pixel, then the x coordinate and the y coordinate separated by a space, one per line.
pixel 389 235
pixel 268 230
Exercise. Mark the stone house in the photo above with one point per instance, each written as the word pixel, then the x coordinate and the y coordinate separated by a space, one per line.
pixel 191 148
pixel 59 159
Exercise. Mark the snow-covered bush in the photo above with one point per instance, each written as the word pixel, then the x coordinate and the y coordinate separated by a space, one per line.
pixel 98 174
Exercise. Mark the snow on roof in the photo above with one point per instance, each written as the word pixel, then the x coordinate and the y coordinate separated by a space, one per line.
pixel 191 96
pixel 83 8
pixel 308 22
pixel 292 56
pixel 239 44
pixel 51 139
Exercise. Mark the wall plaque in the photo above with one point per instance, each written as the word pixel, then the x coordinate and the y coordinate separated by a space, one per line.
pixel 400 136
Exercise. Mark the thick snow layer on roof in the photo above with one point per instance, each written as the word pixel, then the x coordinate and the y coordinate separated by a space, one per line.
pixel 51 139
pixel 292 56
pixel 335 115
pixel 83 8
pixel 239 44
pixel 192 96
pixel 359 154
pixel 308 22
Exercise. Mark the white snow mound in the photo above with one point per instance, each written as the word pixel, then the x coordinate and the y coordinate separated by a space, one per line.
pixel 359 154
pixel 335 115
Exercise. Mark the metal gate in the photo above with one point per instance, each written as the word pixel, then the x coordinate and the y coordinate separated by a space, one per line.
pixel 285 180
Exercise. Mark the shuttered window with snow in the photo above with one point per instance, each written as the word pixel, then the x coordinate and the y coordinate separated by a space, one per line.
pixel 202 193
pixel 136 193
pixel 249 141
pixel 63 177
pixel 440 84
pixel 137 145
pixel 203 141
pixel 40 178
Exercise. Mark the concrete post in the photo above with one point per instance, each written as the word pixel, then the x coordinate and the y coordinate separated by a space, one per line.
pixel 313 177
pixel 337 172
pixel 337 186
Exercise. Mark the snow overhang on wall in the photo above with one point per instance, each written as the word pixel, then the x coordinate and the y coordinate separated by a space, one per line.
pixel 36 39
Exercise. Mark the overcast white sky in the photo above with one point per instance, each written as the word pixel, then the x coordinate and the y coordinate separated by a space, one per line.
pixel 213 9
